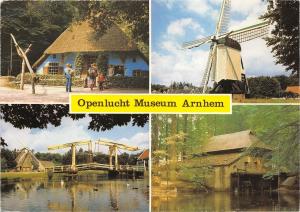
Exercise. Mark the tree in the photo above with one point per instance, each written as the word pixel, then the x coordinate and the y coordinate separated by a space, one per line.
pixel 132 16
pixel 102 62
pixel 39 116
pixel 278 127
pixel 3 144
pixel 32 22
pixel 8 159
pixel 261 87
pixel 78 63
pixel 285 35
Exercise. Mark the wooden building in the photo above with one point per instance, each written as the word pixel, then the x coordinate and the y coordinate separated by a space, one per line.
pixel 143 159
pixel 229 166
pixel 295 90
pixel 27 162
pixel 121 54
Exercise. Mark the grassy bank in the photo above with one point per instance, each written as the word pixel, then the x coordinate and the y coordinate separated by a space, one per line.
pixel 261 100
pixel 35 175
pixel 22 175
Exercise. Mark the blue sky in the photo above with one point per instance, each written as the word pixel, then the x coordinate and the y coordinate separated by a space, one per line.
pixel 69 131
pixel 176 21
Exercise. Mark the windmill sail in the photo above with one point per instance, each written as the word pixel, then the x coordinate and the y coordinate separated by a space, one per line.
pixel 196 43
pixel 208 68
pixel 224 18
pixel 247 33
pixel 224 66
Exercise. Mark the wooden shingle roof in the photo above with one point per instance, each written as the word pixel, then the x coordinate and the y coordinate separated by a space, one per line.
pixel 213 160
pixel 232 141
pixel 80 37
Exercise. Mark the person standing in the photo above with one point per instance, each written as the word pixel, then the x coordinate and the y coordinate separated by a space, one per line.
pixel 92 74
pixel 101 80
pixel 68 74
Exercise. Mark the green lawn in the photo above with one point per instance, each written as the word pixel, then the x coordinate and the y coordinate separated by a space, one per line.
pixel 30 175
pixel 23 175
pixel 265 100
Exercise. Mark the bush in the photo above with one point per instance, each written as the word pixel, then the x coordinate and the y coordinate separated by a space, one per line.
pixel 114 82
pixel 261 87
pixel 51 80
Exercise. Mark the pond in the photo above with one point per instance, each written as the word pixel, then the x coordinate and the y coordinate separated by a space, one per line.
pixel 225 201
pixel 89 194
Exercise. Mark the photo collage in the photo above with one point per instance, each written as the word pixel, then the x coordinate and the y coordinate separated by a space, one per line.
pixel 54 158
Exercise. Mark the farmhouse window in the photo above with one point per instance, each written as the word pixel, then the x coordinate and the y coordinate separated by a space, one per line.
pixel 53 68
pixel 139 73
pixel 134 59
pixel 54 56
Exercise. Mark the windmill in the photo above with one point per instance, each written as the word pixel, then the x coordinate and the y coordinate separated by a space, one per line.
pixel 224 65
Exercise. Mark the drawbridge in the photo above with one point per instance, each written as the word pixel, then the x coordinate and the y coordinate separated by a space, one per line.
pixel 113 148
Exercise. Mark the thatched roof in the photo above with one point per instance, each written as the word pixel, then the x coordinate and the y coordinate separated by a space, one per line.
pixel 232 141
pixel 80 37
pixel 26 158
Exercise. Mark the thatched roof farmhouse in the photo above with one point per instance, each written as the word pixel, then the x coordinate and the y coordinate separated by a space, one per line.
pixel 79 41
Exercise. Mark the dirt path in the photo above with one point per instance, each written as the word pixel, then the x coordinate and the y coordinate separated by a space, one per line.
pixel 51 94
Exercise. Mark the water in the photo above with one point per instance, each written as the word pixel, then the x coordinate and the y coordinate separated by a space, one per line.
pixel 80 195
pixel 225 201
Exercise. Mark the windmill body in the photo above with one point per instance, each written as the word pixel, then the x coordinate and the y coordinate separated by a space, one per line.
pixel 224 65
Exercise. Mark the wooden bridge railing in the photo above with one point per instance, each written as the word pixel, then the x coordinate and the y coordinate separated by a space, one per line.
pixel 97 166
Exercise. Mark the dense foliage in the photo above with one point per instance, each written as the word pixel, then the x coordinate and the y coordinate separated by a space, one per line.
pixel 40 22
pixel 8 158
pixel 31 22
pixel 285 35
pixel 276 126
pixel 261 87
pixel 39 116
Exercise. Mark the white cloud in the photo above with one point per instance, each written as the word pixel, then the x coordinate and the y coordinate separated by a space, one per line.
pixel 179 27
pixel 39 140
pixel 248 7
pixel 200 7
pixel 258 59
pixel 178 65
pixel 68 131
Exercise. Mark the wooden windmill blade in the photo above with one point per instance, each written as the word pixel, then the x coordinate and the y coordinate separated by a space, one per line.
pixel 251 32
pixel 224 18
pixel 196 43
pixel 208 69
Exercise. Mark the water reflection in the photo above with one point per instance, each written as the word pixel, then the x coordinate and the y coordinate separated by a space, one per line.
pixel 223 201
pixel 81 195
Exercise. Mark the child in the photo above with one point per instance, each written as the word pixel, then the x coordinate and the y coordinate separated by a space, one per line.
pixel 101 80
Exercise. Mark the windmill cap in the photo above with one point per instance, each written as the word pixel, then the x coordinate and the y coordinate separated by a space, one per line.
pixel 230 43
